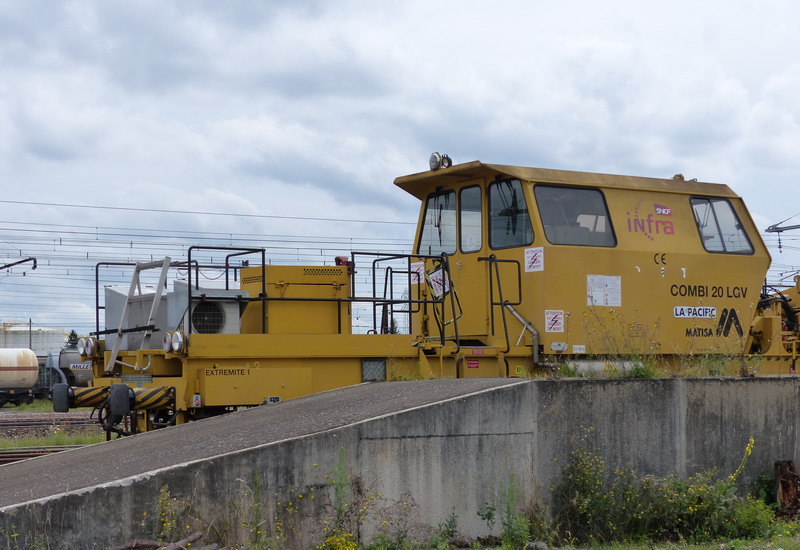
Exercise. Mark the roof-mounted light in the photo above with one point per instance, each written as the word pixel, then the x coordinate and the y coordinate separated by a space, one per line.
pixel 439 161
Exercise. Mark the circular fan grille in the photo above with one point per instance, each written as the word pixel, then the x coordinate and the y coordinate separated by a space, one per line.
pixel 208 318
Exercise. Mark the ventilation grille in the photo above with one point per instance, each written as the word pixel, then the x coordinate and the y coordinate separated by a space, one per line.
pixel 373 370
pixel 251 280
pixel 329 271
pixel 208 318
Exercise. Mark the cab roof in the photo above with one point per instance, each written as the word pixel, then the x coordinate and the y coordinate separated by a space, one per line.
pixel 422 183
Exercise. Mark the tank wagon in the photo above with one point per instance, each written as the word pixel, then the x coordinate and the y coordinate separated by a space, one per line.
pixel 514 270
pixel 65 367
pixel 25 377
pixel 19 373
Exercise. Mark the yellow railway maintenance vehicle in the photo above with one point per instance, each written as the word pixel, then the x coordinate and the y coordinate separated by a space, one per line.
pixel 515 270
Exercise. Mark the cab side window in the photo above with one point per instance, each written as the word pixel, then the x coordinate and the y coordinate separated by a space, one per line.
pixel 574 216
pixel 720 228
pixel 439 226
pixel 470 219
pixel 509 220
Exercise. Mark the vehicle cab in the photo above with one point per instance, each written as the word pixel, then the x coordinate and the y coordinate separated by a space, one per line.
pixel 556 264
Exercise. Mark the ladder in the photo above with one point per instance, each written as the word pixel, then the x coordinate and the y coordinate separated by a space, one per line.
pixel 134 290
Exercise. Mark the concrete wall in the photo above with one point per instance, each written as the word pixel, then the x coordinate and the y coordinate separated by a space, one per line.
pixel 416 467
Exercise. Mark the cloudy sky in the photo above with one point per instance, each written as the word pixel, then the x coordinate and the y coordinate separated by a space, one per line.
pixel 130 129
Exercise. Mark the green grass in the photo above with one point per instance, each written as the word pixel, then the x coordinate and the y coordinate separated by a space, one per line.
pixel 55 438
pixel 775 543
pixel 38 405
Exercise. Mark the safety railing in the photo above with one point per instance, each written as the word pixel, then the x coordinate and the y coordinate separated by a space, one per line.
pixel 496 288
pixel 395 283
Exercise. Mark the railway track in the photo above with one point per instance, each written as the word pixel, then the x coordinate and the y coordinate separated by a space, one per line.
pixel 13 423
pixel 7 456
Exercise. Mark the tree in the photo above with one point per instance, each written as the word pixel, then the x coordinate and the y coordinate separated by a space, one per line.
pixel 72 339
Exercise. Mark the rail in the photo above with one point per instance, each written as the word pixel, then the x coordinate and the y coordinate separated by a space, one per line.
pixel 7 456
pixel 21 424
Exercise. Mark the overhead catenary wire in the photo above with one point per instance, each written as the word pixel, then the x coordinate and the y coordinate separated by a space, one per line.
pixel 69 254
pixel 203 213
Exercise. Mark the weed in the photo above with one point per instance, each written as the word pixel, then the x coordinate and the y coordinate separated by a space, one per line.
pixel 15 541
pixel 443 537
pixel 699 509
pixel 339 541
pixel 764 489
pixel 168 514
pixel 712 364
pixel 566 370
pixel 515 525
pixel 487 513
pixel 642 368
pixel 542 527
pixel 340 480
pixel 256 525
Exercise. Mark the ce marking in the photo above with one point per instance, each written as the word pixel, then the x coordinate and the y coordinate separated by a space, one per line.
pixel 660 259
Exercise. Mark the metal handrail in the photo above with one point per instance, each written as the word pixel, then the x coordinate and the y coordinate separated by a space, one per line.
pixel 494 269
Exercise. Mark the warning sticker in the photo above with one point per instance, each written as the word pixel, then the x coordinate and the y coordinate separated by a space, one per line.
pixel 534 259
pixel 417 272
pixel 438 281
pixel 554 320
pixel 603 290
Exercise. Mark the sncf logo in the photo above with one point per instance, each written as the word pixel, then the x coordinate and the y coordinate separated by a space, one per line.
pixel 729 320
pixel 662 210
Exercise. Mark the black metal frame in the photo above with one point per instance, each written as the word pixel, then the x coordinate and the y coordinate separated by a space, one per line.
pixel 494 270
pixel 413 304
pixel 387 302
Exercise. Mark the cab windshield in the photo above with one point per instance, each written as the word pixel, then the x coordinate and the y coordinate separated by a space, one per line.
pixel 439 225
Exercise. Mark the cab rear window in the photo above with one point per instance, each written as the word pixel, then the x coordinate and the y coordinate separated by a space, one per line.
pixel 574 216
pixel 719 226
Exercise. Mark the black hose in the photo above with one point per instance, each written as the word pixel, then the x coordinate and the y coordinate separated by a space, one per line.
pixel 789 312
pixel 110 421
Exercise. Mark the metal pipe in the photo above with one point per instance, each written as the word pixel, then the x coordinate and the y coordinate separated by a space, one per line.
pixel 526 326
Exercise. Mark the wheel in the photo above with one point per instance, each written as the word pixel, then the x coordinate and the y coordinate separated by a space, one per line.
pixel 119 400
pixel 60 398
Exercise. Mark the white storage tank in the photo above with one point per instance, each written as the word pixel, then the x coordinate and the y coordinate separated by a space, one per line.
pixel 24 335
pixel 19 368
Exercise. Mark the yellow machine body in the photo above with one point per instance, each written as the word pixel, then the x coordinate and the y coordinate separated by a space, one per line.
pixel 598 264
pixel 514 271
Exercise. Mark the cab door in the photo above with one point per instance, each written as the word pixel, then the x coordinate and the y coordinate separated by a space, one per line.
pixel 468 271
pixel 453 227
pixel 510 236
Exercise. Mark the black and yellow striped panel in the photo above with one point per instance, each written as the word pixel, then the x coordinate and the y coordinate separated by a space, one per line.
pixel 89 397
pixel 151 398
